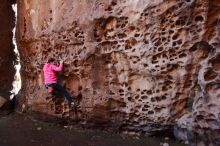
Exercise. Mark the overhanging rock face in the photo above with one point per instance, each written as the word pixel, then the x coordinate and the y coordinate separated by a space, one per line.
pixel 7 56
pixel 137 65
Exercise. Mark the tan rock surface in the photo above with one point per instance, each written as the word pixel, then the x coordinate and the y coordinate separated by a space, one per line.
pixel 138 65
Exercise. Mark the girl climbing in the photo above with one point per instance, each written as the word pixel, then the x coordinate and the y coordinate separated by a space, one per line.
pixel 50 80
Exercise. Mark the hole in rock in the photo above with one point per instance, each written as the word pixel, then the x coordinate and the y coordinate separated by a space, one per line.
pixel 215 62
pixel 199 18
pixel 151 112
pixel 175 36
pixel 201 49
pixel 144 97
pixel 210 75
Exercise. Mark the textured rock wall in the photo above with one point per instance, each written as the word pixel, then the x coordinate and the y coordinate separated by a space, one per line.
pixel 137 65
pixel 7 56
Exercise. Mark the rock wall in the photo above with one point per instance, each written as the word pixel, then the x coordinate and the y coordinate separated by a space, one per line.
pixel 135 65
pixel 7 56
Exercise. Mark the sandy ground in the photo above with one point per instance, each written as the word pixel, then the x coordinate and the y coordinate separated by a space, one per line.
pixel 19 130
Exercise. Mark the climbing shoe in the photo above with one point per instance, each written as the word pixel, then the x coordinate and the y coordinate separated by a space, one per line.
pixel 72 105
pixel 50 90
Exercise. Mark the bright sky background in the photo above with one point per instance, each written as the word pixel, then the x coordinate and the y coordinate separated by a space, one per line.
pixel 17 78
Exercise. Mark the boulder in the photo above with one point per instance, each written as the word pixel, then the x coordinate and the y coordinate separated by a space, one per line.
pixel 139 66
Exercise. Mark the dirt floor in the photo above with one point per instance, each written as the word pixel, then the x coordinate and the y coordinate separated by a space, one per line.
pixel 19 130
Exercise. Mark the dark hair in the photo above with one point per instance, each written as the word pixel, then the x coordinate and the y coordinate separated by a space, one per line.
pixel 50 60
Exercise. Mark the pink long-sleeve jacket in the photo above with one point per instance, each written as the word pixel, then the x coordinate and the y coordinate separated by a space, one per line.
pixel 50 72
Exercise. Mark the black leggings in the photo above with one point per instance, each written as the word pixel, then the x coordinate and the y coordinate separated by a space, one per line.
pixel 60 89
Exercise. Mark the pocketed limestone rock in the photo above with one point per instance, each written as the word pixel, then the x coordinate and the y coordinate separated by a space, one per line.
pixel 140 65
